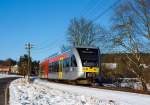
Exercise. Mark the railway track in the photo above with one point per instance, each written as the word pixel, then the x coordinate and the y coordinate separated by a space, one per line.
pixel 103 87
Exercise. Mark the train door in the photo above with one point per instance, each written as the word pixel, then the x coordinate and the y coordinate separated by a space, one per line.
pixel 46 69
pixel 60 73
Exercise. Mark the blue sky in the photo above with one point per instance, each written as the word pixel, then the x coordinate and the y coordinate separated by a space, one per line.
pixel 43 23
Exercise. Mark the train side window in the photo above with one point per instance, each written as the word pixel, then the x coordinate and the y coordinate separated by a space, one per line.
pixel 50 67
pixel 56 66
pixel 66 63
pixel 73 61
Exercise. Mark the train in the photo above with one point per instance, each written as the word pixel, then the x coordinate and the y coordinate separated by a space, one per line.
pixel 77 63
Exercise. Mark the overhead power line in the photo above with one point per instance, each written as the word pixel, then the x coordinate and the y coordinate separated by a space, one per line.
pixel 93 11
pixel 106 10
pixel 91 5
pixel 86 8
pixel 49 46
pixel 44 44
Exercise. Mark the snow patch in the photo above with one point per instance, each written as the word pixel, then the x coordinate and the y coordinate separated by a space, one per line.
pixel 45 93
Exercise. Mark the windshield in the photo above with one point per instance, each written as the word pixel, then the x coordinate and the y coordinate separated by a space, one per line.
pixel 89 56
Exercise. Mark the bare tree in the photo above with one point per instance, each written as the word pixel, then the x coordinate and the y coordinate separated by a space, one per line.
pixel 82 32
pixel 104 40
pixel 22 64
pixel 131 31
pixel 141 9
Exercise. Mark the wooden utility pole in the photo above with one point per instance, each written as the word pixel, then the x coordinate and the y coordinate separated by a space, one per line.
pixel 28 47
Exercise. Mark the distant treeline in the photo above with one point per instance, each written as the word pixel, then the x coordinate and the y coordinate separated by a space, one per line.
pixel 8 62
pixel 122 70
pixel 119 57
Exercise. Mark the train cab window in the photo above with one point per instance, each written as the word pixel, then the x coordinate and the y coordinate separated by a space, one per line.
pixel 89 56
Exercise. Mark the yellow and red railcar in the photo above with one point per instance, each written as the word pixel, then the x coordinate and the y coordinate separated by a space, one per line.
pixel 78 63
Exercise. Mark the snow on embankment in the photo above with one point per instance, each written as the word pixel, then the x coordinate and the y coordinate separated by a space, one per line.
pixel 45 93
pixel 121 98
pixel 22 93
pixel 8 75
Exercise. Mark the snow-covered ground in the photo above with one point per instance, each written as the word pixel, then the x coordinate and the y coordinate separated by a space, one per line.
pixel 8 75
pixel 45 93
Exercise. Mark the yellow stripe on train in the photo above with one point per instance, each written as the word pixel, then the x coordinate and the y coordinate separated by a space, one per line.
pixel 60 75
pixel 90 69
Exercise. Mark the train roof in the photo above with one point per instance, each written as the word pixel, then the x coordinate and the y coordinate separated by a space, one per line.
pixel 68 51
pixel 86 47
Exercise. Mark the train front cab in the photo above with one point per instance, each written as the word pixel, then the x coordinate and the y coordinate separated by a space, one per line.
pixel 90 61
